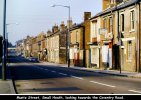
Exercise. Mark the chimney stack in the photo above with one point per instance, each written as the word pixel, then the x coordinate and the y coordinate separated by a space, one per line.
pixel 62 26
pixel 69 23
pixel 87 15
pixel 55 28
pixel 48 32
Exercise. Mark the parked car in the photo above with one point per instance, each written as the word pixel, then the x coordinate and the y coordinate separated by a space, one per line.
pixel 33 59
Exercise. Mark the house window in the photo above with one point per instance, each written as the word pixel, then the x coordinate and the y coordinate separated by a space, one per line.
pixel 112 1
pixel 129 51
pixel 122 22
pixel 110 24
pixel 76 36
pixel 94 29
pixel 132 19
pixel 119 1
pixel 105 23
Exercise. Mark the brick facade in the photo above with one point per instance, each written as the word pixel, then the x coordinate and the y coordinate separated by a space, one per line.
pixel 80 36
pixel 56 44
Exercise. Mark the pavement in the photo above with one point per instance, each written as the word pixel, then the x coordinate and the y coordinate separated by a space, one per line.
pixel 7 86
pixel 111 72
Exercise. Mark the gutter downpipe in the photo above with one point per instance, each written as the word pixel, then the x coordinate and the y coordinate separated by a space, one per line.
pixel 84 49
pixel 137 37
pixel 119 41
pixel 139 40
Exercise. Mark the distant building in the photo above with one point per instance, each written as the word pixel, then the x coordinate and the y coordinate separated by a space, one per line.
pixel 41 42
pixel 34 47
pixel 79 37
pixel 56 44
pixel 26 46
pixel 77 45
pixel 20 47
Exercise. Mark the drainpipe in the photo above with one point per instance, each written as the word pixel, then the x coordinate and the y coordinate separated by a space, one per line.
pixel 138 39
pixel 139 36
pixel 137 52
pixel 99 56
pixel 113 37
pixel 89 65
pixel 84 49
pixel 119 34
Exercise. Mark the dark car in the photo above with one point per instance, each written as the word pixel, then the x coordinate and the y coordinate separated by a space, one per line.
pixel 33 59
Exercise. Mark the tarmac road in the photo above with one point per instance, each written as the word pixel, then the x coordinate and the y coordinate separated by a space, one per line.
pixel 34 78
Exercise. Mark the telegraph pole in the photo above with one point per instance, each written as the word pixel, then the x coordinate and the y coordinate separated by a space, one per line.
pixel 4 44
pixel 68 34
pixel 68 38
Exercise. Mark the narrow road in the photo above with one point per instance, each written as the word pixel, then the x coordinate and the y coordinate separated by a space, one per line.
pixel 37 78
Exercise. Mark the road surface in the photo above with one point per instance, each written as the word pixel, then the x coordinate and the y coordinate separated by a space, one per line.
pixel 40 78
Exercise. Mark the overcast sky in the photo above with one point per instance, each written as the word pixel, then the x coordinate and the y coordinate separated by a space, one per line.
pixel 35 16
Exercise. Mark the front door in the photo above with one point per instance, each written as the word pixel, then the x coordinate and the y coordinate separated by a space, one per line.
pixel 122 58
pixel 95 56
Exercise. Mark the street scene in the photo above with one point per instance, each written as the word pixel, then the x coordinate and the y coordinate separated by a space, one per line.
pixel 96 51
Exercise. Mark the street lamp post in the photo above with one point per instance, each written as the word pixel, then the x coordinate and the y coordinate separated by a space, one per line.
pixel 6 39
pixel 6 29
pixel 4 44
pixel 4 54
pixel 68 44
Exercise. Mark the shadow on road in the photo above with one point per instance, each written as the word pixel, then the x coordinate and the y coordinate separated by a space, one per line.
pixel 8 76
pixel 29 71
pixel 50 89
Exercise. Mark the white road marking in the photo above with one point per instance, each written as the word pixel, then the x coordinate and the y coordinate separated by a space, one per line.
pixel 63 74
pixel 102 84
pixel 134 91
pixel 77 77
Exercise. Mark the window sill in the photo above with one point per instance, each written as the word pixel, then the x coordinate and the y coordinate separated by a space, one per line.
pixel 129 61
pixel 132 31
pixel 122 32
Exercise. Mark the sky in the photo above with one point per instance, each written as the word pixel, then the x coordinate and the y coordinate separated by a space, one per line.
pixel 35 16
